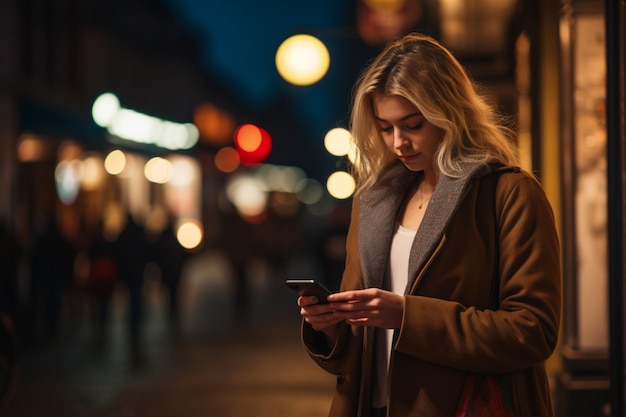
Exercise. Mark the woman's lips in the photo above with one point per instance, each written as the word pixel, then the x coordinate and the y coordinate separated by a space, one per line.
pixel 408 158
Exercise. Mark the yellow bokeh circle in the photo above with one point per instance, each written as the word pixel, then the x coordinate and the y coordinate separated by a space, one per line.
pixel 302 60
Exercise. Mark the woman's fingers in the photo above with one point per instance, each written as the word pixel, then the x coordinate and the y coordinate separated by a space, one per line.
pixel 307 300
pixel 319 316
pixel 354 295
pixel 358 300
pixel 370 307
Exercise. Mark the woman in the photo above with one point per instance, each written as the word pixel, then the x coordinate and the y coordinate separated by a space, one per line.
pixel 441 213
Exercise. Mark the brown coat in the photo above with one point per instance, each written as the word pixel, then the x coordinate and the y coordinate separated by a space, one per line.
pixel 448 328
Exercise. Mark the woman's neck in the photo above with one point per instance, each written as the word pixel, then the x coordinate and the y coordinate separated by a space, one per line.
pixel 429 182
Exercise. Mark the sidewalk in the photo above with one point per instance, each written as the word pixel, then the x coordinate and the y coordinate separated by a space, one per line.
pixel 210 366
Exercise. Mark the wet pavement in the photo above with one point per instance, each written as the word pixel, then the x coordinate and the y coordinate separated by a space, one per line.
pixel 213 363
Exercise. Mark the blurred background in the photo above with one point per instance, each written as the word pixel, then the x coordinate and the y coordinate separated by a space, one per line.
pixel 166 164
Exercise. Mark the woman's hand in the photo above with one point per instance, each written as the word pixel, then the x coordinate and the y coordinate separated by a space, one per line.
pixel 320 317
pixel 370 307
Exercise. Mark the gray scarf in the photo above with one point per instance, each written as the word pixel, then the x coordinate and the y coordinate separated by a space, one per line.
pixel 379 206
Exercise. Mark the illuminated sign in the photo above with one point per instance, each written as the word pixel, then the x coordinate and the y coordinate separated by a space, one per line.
pixel 138 127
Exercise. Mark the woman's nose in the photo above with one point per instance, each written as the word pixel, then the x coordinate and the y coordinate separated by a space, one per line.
pixel 399 141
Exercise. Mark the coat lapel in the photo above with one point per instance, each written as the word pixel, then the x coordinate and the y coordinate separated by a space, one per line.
pixel 379 206
pixel 377 216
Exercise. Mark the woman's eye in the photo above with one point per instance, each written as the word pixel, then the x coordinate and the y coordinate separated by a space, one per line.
pixel 385 129
pixel 416 126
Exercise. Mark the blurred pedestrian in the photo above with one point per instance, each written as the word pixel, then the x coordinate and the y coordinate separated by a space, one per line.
pixel 132 254
pixel 52 274
pixel 170 256
pixel 102 279
pixel 239 244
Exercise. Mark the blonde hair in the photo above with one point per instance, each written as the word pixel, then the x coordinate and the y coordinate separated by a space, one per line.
pixel 424 72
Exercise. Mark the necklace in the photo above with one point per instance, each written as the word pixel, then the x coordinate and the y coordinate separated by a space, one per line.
pixel 422 201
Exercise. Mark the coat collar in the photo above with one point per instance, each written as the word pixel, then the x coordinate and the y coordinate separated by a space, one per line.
pixel 379 206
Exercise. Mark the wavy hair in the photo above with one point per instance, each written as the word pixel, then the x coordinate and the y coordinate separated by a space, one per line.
pixel 425 73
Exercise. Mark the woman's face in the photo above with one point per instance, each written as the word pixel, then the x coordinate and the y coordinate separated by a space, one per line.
pixel 406 132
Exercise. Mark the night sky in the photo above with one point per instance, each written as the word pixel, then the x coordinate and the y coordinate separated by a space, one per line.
pixel 239 39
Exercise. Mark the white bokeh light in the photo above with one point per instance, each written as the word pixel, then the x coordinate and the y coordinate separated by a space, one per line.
pixel 158 170
pixel 340 185
pixel 338 141
pixel 104 109
pixel 183 172
pixel 248 195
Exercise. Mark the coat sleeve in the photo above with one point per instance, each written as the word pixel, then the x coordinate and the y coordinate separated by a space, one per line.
pixel 331 358
pixel 524 329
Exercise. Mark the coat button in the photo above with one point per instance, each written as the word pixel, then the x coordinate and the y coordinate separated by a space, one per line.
pixel 340 379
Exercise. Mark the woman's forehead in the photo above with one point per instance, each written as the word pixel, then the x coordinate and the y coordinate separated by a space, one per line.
pixel 393 104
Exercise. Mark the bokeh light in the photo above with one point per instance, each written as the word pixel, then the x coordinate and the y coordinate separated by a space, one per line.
pixel 279 177
pixel 338 141
pixel 104 109
pixel 379 21
pixel 248 138
pixel 216 126
pixel 253 144
pixel 340 185
pixel 69 150
pixel 113 220
pixel 158 170
pixel 137 127
pixel 32 148
pixel 247 194
pixel 92 173
pixel 115 162
pixel 309 191
pixel 302 60
pixel 67 178
pixel 352 153
pixel 183 172
pixel 189 234
pixel 227 159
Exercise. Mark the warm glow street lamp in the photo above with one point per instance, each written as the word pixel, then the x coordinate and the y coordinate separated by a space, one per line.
pixel 302 60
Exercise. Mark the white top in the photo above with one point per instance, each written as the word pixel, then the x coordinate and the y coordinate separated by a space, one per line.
pixel 396 281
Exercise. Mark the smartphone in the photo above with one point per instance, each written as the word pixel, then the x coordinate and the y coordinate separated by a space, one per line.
pixel 309 287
